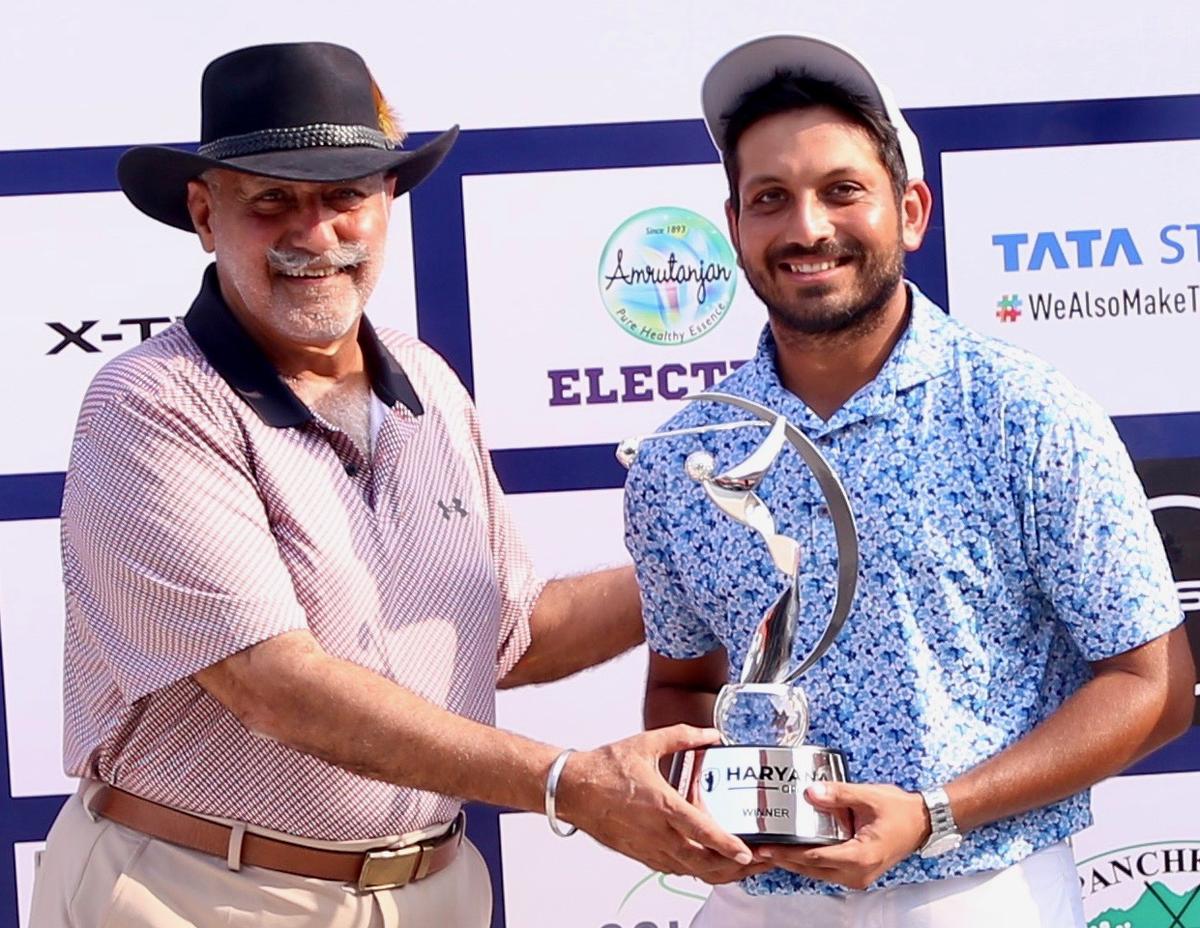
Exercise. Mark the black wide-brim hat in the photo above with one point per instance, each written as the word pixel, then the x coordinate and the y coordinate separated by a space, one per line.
pixel 306 111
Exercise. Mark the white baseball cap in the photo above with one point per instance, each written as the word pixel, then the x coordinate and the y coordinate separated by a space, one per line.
pixel 753 64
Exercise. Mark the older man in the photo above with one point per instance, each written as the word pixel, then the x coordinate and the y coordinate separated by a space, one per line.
pixel 1016 636
pixel 292 581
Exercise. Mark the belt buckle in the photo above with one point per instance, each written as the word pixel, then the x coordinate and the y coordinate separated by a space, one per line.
pixel 390 869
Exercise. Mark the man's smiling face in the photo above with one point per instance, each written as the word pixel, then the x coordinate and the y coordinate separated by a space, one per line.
pixel 297 261
pixel 818 229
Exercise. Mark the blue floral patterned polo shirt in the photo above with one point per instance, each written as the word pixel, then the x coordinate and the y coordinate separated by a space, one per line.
pixel 1005 542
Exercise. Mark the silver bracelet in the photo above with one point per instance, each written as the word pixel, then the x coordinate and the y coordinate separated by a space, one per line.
pixel 556 770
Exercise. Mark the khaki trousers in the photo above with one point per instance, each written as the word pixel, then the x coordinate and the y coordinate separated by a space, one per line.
pixel 97 874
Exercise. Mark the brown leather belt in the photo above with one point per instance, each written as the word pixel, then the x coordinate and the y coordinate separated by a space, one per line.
pixel 386 868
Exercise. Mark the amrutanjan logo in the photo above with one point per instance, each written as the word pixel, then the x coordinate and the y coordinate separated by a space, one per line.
pixel 1154 885
pixel 667 276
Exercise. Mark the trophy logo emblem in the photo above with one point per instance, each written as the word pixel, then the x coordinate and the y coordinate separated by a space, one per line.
pixel 763 716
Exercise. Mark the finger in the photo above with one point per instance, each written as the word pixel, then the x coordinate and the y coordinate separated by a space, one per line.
pixel 839 856
pixel 700 827
pixel 823 874
pixel 663 852
pixel 682 738
pixel 713 868
pixel 839 796
pixel 731 873
pixel 792 857
pixel 696 860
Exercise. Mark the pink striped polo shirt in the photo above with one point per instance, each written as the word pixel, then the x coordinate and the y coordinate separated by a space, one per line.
pixel 207 509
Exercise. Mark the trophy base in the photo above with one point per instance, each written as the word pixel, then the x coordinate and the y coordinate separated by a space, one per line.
pixel 757 793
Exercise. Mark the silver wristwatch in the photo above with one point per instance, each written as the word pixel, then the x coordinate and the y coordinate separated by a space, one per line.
pixel 943 831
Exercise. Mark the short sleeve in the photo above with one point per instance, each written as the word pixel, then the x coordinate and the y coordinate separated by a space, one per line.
pixel 1090 537
pixel 169 558
pixel 674 627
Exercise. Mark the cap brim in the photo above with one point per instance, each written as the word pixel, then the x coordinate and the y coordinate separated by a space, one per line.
pixel 756 62
pixel 154 178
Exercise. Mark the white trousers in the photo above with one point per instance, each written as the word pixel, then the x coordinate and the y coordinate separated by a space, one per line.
pixel 1041 891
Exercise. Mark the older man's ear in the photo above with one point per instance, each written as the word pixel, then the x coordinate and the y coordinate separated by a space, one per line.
pixel 199 204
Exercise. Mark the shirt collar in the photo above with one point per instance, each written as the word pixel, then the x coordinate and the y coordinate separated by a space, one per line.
pixel 242 364
pixel 923 352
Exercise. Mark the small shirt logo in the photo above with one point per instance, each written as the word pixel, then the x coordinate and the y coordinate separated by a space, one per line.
pixel 455 506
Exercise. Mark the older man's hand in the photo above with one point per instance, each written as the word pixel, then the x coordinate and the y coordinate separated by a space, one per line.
pixel 889 825
pixel 617 794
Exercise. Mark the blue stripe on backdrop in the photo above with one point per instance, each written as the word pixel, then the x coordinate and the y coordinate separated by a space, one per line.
pixel 595 467
pixel 30 496
pixel 443 303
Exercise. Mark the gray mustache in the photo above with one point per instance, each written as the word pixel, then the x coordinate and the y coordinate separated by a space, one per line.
pixel 343 256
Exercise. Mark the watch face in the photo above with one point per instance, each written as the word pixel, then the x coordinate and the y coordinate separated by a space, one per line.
pixel 943 845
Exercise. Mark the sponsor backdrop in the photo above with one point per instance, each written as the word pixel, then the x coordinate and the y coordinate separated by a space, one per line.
pixel 570 261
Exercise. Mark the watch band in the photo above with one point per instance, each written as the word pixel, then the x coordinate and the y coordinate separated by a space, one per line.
pixel 943 830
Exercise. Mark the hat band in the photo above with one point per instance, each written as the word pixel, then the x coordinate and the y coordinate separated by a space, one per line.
pixel 317 135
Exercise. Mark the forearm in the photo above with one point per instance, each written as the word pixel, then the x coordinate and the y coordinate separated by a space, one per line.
pixel 578 623
pixel 683 690
pixel 1113 720
pixel 289 690
pixel 668 705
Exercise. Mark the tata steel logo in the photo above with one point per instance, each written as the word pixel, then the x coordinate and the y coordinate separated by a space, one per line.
pixel 667 276
pixel 1090 248
pixel 1154 885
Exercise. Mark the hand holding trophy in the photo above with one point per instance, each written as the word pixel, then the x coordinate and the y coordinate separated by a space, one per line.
pixel 753 784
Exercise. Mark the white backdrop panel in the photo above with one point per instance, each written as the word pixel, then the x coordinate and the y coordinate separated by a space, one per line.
pixel 112 74
pixel 31 634
pixel 536 303
pixel 570 533
pixel 578 883
pixel 23 855
pixel 86 256
pixel 1097 209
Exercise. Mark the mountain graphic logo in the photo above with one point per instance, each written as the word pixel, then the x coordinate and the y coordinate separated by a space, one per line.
pixel 1150 885
pixel 1157 907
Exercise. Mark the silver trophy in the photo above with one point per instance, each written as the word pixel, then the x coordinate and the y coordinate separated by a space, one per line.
pixel 756 790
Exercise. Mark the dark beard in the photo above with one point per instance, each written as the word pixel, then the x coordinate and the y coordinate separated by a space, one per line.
pixel 878 280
